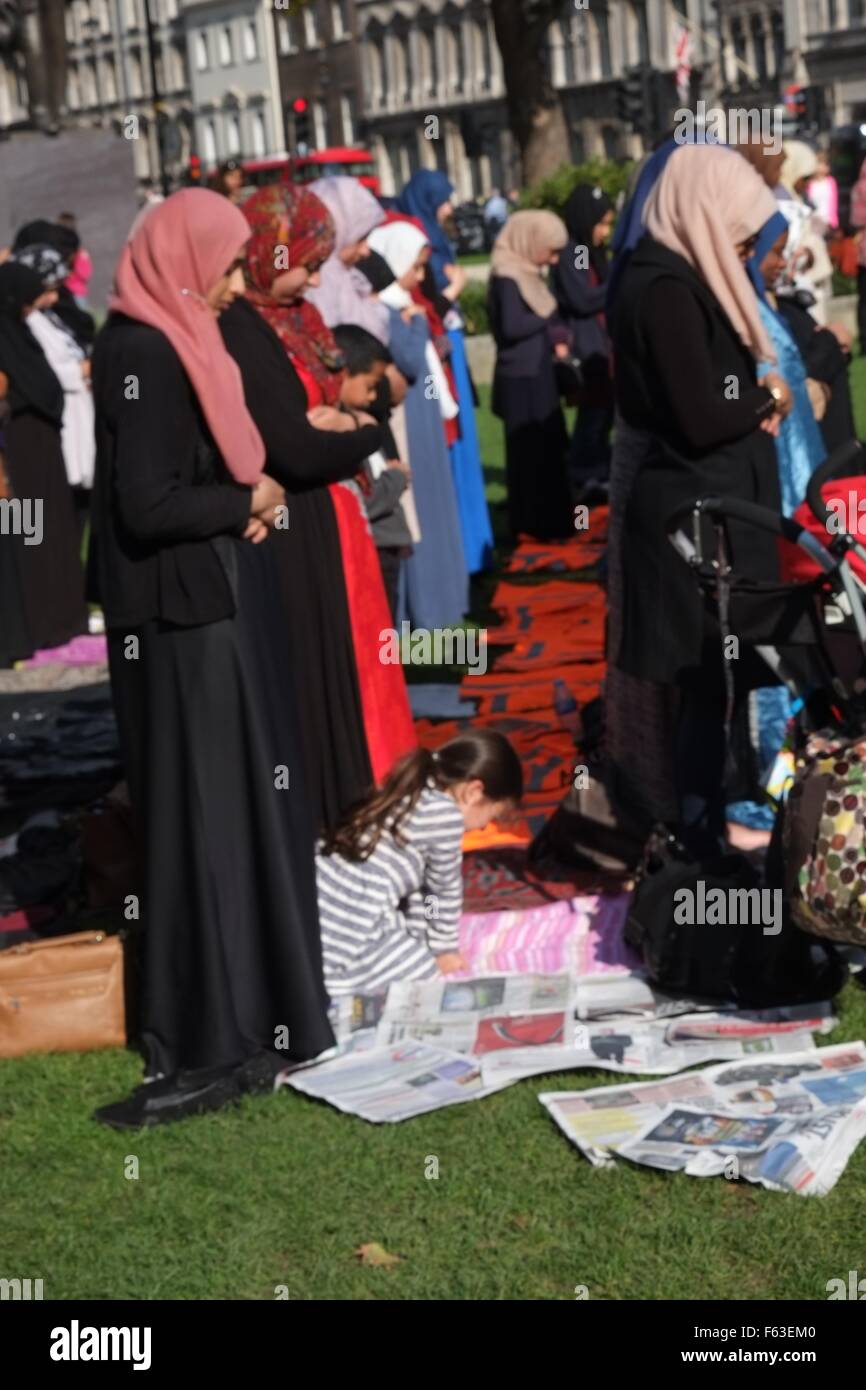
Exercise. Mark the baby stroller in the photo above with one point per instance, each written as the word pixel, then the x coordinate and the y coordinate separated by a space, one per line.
pixel 811 634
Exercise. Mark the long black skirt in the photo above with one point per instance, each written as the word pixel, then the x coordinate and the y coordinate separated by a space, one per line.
pixel 230 947
pixel 51 573
pixel 327 693
pixel 536 443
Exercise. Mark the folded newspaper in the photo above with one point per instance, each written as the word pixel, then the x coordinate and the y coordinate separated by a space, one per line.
pixel 788 1123
pixel 426 1044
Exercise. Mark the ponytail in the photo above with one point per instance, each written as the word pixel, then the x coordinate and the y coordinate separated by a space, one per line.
pixel 478 754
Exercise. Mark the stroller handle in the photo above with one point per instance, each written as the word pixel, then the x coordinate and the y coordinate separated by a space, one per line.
pixel 841 458
pixel 750 512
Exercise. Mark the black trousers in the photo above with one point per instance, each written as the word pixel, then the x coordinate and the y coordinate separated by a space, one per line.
pixel 389 563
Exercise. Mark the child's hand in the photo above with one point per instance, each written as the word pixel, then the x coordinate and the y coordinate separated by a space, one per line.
pixel 450 961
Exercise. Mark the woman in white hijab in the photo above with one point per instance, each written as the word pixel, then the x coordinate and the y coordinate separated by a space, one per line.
pixel 69 364
pixel 808 264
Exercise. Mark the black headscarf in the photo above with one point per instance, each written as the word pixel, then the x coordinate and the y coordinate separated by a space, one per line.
pixel 66 241
pixel 584 209
pixel 32 383
pixel 377 271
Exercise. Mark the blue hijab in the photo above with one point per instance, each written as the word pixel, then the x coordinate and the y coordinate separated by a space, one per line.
pixel 769 233
pixel 629 225
pixel 422 197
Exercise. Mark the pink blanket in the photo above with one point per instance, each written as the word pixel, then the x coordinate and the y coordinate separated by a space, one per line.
pixel 583 935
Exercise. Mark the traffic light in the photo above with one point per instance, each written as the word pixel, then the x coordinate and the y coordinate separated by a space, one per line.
pixel 193 173
pixel 632 98
pixel 301 114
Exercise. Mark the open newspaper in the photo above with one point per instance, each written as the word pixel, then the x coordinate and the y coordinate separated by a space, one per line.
pixel 437 1042
pixel 789 1123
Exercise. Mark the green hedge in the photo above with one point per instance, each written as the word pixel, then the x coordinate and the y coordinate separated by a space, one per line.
pixel 473 306
pixel 554 191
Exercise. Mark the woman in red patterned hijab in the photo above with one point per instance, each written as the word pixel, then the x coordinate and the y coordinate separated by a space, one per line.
pixel 292 230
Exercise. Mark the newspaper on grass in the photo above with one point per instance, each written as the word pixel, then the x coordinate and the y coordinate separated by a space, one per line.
pixel 438 1042
pixel 387 1084
pixel 789 1123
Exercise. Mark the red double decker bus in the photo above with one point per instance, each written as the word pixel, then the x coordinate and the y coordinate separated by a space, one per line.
pixel 316 164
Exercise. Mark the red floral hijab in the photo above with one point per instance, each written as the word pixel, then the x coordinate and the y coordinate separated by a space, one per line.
pixel 282 215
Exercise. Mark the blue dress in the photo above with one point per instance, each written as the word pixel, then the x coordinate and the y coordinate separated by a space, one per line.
pixel 434 582
pixel 799 451
pixel 466 467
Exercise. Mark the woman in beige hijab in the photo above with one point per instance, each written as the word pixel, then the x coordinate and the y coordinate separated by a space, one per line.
pixel 808 265
pixel 529 336
pixel 687 336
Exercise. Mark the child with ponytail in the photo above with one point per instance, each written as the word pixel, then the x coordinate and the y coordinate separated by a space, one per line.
pixel 389 877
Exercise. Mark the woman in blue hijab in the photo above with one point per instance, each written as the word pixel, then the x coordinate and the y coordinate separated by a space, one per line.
pixel 799 451
pixel 428 196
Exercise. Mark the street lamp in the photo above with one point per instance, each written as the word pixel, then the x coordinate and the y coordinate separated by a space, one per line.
pixel 157 99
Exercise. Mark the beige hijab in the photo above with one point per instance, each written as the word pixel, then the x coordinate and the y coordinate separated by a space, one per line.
pixel 801 162
pixel 526 237
pixel 705 203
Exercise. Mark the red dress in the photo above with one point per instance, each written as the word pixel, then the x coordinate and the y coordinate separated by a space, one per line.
pixel 384 702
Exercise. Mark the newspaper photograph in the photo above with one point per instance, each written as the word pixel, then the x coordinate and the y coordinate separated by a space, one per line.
pixel 485 1015
pixel 388 1084
pixel 791 1123
pixel 643 1048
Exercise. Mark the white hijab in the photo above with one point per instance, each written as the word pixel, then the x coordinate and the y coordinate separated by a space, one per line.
pixel 400 244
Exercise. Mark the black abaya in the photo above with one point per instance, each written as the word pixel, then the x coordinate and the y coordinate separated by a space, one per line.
pixel 51 573
pixel 208 732
pixel 310 564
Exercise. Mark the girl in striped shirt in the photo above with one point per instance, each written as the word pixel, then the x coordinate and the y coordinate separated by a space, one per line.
pixel 389 877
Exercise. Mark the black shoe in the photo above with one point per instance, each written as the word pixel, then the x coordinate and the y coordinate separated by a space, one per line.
pixel 258 1074
pixel 172 1098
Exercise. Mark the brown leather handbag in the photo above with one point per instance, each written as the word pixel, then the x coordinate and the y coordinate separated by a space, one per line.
pixel 63 994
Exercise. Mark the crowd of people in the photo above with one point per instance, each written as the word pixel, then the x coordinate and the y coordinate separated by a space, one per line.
pixel 269 456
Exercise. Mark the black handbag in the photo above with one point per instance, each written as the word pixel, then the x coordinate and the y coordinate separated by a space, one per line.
pixel 732 961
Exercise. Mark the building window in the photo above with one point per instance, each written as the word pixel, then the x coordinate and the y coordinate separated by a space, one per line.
pixel 225 46
pixel 104 17
pixel 260 138
pixel 69 24
pixel 286 33
pixel 131 14
pixel 777 24
pixel 348 120
pixel 640 49
pixel 602 29
pixel 376 66
pixel 72 93
pixel 233 136
pixel 89 84
pixel 202 57
pixel 209 142
pixel 759 47
pixel 180 72
pixel 340 24
pixel 251 41
pixel 135 83
pixel 738 38
pixel 171 9
pixel 109 81
pixel 456 69
pixel 311 33
pixel 855 11
pixel 320 125
pixel 400 82
pixel 427 57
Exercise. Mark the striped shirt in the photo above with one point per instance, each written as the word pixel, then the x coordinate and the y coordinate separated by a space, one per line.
pixel 387 917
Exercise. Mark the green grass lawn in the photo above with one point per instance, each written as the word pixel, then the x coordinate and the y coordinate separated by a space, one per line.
pixel 283 1190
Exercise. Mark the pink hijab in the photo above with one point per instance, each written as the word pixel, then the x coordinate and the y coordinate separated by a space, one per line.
pixel 707 201
pixel 172 258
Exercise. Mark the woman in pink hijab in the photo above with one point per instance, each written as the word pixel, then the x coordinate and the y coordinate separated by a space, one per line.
pixel 225 900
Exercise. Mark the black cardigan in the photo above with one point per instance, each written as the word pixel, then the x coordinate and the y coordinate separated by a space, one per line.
pixel 161 491
pixel 298 455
